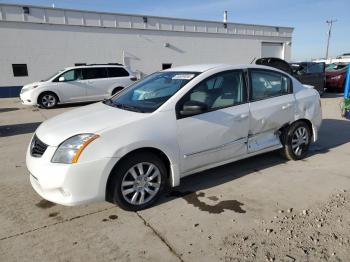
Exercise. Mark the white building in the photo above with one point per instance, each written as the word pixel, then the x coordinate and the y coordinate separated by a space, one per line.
pixel 37 41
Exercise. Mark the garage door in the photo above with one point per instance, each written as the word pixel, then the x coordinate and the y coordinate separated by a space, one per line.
pixel 272 50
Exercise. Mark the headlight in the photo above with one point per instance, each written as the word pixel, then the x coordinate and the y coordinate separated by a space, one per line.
pixel 69 151
pixel 336 77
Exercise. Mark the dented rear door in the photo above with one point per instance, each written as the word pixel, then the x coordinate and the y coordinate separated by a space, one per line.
pixel 272 105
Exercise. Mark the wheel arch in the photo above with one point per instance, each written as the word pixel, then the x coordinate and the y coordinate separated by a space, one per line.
pixel 48 92
pixel 284 128
pixel 118 88
pixel 173 176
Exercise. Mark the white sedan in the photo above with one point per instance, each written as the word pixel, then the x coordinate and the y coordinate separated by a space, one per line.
pixel 169 125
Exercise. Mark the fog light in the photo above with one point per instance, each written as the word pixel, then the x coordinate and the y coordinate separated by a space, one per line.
pixel 28 100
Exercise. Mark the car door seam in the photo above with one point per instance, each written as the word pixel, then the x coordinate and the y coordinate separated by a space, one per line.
pixel 217 148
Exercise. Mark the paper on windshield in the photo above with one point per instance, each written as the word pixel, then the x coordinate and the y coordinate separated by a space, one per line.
pixel 183 77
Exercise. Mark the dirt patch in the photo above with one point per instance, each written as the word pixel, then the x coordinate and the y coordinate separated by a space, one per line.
pixel 319 234
pixel 53 214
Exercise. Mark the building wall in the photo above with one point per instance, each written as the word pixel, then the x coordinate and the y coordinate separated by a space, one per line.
pixel 48 40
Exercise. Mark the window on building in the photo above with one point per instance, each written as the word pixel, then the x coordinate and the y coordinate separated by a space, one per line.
pixel 166 66
pixel 94 73
pixel 117 72
pixel 19 70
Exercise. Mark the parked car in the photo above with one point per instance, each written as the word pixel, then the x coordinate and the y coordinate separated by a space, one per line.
pixel 78 84
pixel 335 77
pixel 171 124
pixel 309 73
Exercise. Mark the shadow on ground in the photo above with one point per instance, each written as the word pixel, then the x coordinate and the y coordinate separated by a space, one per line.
pixel 4 110
pixel 18 129
pixel 72 105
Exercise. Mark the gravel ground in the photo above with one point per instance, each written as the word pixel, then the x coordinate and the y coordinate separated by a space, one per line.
pixel 318 234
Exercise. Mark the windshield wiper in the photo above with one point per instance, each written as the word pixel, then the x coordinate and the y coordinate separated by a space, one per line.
pixel 128 107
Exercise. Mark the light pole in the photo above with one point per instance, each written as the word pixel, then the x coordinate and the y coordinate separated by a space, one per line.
pixel 330 25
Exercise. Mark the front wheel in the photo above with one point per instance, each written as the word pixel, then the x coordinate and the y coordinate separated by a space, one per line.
pixel 48 100
pixel 138 181
pixel 297 141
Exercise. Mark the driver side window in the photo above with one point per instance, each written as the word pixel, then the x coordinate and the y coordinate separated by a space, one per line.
pixel 219 91
pixel 70 75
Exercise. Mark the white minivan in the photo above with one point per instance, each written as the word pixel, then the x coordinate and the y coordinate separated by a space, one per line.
pixel 78 84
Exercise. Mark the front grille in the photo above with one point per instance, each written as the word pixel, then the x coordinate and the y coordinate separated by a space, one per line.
pixel 37 147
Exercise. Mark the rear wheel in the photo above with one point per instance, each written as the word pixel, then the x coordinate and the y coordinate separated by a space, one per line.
pixel 296 141
pixel 48 100
pixel 138 181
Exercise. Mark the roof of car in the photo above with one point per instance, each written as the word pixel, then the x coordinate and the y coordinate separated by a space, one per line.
pixel 205 67
pixel 94 65
pixel 196 68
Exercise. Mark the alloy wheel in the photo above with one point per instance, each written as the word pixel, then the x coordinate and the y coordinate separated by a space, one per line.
pixel 141 183
pixel 300 140
pixel 48 100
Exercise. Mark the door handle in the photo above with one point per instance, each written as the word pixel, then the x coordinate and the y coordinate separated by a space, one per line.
pixel 286 106
pixel 241 117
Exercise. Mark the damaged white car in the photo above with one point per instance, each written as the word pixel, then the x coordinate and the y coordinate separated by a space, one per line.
pixel 169 125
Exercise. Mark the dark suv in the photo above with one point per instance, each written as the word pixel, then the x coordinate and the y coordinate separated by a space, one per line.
pixel 309 73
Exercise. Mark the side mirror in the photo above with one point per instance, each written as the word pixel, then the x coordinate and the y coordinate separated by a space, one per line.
pixel 61 79
pixel 191 108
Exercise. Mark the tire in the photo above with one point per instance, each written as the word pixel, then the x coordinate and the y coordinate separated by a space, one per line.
pixel 48 100
pixel 297 139
pixel 117 89
pixel 128 185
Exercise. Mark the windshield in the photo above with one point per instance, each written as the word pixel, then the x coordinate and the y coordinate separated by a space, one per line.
pixel 51 76
pixel 151 92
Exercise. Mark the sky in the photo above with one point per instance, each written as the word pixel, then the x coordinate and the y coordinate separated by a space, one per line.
pixel 308 17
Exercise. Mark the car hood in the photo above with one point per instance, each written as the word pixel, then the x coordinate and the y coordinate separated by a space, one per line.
pixel 275 63
pixel 88 119
pixel 31 85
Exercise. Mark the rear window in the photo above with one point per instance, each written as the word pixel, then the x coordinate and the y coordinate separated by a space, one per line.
pixel 117 72
pixel 94 73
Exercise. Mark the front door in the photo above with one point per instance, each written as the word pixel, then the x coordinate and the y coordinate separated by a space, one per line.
pixel 220 132
pixel 313 74
pixel 69 87
pixel 272 106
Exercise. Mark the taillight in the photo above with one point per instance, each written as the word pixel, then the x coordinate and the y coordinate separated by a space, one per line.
pixel 133 78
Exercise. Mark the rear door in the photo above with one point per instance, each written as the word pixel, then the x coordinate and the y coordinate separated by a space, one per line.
pixel 97 82
pixel 313 74
pixel 119 78
pixel 271 107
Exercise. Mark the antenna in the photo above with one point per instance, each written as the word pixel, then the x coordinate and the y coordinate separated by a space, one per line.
pixel 330 25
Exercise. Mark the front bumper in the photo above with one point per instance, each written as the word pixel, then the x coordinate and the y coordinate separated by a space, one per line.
pixel 69 184
pixel 28 99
